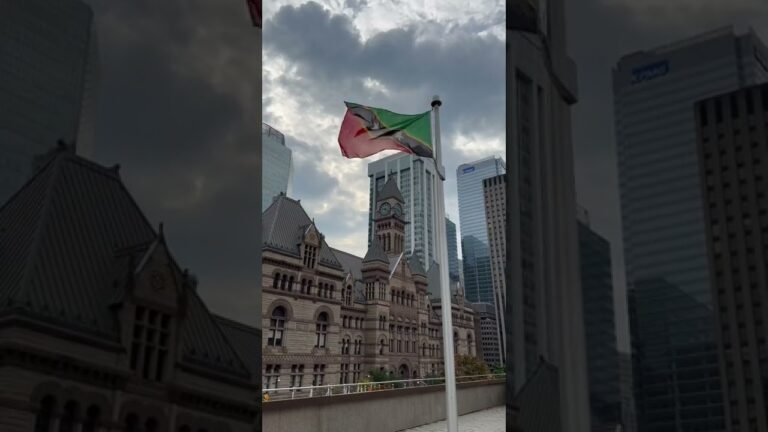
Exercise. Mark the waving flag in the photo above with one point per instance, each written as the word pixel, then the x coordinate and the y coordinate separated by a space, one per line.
pixel 366 131
pixel 254 6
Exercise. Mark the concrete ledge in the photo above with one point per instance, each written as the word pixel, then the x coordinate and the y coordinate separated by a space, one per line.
pixel 378 411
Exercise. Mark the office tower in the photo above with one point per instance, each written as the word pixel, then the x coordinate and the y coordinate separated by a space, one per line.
pixel 733 153
pixel 663 221
pixel 277 166
pixel 416 179
pixel 453 252
pixel 543 312
pixel 475 249
pixel 487 331
pixel 495 203
pixel 48 78
pixel 626 382
pixel 600 326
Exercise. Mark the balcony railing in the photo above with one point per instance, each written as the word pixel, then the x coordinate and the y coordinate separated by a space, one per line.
pixel 274 394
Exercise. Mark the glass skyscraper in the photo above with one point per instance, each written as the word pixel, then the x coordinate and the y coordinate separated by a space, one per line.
pixel 416 179
pixel 453 251
pixel 277 166
pixel 600 327
pixel 475 249
pixel 48 78
pixel 676 364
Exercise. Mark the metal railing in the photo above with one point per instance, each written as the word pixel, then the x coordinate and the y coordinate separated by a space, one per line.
pixel 327 390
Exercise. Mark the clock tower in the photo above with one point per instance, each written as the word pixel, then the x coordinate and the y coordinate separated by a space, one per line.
pixel 389 218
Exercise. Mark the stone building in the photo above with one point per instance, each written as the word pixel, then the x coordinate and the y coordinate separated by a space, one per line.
pixel 332 317
pixel 100 328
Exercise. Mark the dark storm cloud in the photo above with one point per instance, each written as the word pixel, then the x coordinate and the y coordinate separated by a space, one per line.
pixel 176 111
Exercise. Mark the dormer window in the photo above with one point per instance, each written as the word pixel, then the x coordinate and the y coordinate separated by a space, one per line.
pixel 149 349
pixel 310 256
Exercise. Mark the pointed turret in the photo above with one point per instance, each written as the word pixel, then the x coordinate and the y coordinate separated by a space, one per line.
pixel 390 219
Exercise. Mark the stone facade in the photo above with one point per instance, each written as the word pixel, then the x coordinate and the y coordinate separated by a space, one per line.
pixel 100 329
pixel 332 317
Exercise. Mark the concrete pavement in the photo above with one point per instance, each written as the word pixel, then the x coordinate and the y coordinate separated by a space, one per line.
pixel 490 420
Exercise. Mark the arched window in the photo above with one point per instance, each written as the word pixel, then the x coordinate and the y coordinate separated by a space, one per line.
pixel 469 344
pixel 321 330
pixel 68 417
pixel 358 346
pixel 455 342
pixel 309 286
pixel 290 284
pixel 276 327
pixel 381 346
pixel 92 417
pixel 303 286
pixel 45 414
pixel 284 282
pixel 276 281
pixel 423 349
pixel 333 288
pixel 349 295
pixel 132 423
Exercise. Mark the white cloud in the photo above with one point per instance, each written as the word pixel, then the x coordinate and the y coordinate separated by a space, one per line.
pixel 392 54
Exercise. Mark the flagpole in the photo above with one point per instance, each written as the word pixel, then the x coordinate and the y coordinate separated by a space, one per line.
pixel 445 289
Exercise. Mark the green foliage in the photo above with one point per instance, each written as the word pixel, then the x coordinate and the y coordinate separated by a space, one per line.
pixel 470 366
pixel 498 370
pixel 379 376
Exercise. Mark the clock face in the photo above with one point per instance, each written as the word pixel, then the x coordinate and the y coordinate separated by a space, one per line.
pixel 157 281
pixel 384 209
pixel 398 210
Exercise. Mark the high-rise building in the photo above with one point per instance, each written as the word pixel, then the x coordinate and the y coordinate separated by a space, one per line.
pixel 543 310
pixel 475 249
pixel 48 79
pixel 277 166
pixel 495 202
pixel 663 219
pixel 453 251
pixel 628 416
pixel 416 179
pixel 487 330
pixel 733 161
pixel 600 326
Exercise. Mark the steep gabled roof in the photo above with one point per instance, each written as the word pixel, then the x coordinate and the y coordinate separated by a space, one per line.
pixel 390 190
pixel 245 339
pixel 353 265
pixel 69 241
pixel 376 254
pixel 284 224
pixel 433 280
pixel 58 238
pixel 415 264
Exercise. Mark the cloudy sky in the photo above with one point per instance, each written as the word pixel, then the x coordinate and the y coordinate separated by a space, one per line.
pixel 180 107
pixel 389 54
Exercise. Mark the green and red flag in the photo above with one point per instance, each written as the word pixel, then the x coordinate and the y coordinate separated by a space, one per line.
pixel 366 131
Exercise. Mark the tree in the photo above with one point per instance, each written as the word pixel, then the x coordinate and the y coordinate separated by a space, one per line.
pixel 470 366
